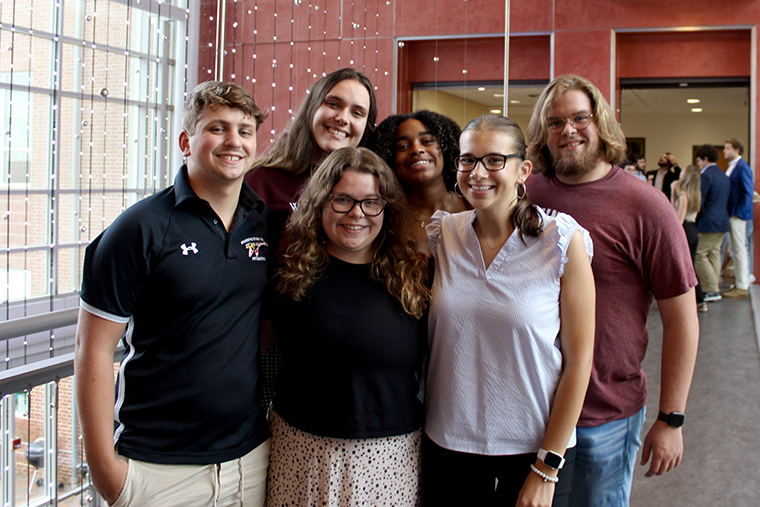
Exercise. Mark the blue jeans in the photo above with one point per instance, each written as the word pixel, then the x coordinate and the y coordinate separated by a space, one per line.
pixel 604 461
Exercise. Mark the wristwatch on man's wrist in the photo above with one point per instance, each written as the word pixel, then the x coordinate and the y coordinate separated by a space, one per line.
pixel 674 419
pixel 551 459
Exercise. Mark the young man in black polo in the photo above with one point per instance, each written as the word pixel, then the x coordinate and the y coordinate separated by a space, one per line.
pixel 184 272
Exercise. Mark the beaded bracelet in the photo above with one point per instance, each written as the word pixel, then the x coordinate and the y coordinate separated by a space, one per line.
pixel 546 478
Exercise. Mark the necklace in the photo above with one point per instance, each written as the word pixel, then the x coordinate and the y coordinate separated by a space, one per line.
pixel 482 236
pixel 489 243
pixel 444 208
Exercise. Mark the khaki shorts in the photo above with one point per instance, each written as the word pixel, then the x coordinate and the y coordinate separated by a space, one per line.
pixel 240 482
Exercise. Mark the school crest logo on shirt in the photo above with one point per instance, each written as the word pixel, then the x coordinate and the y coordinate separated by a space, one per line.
pixel 256 248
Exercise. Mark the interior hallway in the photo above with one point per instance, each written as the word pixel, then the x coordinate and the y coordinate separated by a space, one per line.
pixel 721 434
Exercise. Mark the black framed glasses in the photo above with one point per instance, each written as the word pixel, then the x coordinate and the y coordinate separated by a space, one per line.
pixel 493 162
pixel 344 204
pixel 579 122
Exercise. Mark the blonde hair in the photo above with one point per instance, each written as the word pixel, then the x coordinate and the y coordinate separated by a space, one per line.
pixel 394 258
pixel 691 185
pixel 610 134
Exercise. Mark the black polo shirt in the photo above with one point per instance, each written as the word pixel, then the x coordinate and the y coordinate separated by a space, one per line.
pixel 191 293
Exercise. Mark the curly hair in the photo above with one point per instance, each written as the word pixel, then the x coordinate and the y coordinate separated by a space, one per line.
pixel 707 152
pixel 445 130
pixel 611 136
pixel 395 261
pixel 525 216
pixel 295 149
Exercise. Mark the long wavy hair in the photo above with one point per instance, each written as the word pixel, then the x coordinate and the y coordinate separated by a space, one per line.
pixel 610 134
pixel 525 216
pixel 444 129
pixel 691 185
pixel 395 261
pixel 295 149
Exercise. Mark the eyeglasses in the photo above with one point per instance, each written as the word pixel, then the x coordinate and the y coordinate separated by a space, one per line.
pixel 579 122
pixel 344 204
pixel 466 163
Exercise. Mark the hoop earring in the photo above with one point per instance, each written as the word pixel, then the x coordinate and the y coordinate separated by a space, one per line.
pixel 518 186
pixel 458 190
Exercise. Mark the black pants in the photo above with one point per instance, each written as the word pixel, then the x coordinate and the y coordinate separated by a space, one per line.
pixel 451 478
pixel 692 236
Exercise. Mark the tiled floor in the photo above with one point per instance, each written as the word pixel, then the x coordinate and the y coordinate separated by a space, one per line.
pixel 721 434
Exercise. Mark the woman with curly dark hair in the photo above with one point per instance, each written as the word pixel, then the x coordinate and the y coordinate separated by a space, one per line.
pixel 347 315
pixel 421 147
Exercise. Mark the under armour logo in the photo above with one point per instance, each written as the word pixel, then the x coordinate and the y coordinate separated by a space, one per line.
pixel 186 249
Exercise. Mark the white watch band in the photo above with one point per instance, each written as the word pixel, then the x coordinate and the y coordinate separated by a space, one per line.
pixel 542 456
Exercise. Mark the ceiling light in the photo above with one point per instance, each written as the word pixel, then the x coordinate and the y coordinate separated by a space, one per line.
pixel 496 111
pixel 696 109
pixel 498 94
pixel 481 89
pixel 514 101
pixel 693 101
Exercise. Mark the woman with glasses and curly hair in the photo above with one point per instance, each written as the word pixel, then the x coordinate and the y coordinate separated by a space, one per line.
pixel 511 335
pixel 347 315
pixel 421 148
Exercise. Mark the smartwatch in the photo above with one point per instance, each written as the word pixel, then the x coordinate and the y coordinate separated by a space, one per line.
pixel 674 419
pixel 551 459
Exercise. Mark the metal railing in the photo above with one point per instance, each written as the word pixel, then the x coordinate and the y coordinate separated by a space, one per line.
pixel 38 372
pixel 16 385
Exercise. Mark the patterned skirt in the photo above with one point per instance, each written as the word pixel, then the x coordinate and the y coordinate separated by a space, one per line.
pixel 309 470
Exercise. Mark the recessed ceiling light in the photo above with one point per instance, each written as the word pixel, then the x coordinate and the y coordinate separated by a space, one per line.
pixel 496 111
pixel 498 94
pixel 514 101
pixel 693 101
pixel 481 89
pixel 696 109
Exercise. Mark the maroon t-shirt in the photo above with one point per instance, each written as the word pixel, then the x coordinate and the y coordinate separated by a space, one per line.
pixel 280 191
pixel 640 254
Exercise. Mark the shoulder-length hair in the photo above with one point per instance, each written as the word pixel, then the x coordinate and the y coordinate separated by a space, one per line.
pixel 691 185
pixel 444 129
pixel 295 149
pixel 611 135
pixel 525 216
pixel 394 258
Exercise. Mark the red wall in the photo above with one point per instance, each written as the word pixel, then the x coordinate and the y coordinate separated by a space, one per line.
pixel 695 54
pixel 691 42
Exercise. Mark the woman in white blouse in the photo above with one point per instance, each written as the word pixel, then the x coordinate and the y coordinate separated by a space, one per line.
pixel 511 334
